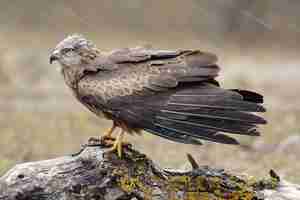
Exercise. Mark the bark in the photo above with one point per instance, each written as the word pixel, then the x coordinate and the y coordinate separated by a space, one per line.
pixel 97 174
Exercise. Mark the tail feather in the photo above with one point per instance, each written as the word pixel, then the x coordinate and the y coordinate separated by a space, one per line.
pixel 216 125
pixel 250 96
pixel 173 135
pixel 206 134
pixel 190 114
pixel 224 105
pixel 160 131
pixel 217 101
pixel 202 112
pixel 215 114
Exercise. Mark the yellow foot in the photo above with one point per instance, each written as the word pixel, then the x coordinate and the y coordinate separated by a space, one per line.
pixel 107 138
pixel 117 146
pixel 100 141
pixel 110 131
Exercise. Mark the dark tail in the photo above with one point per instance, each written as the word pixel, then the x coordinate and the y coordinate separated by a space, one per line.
pixel 205 111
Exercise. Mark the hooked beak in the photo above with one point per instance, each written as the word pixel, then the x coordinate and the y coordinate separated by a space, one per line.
pixel 54 56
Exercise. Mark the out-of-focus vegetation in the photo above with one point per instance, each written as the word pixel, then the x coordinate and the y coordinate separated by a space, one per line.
pixel 258 44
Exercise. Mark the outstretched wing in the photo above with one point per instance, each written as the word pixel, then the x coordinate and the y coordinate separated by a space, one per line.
pixel 172 94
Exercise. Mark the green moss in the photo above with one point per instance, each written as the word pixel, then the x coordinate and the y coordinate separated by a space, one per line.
pixel 205 183
pixel 133 178
pixel 222 186
pixel 129 184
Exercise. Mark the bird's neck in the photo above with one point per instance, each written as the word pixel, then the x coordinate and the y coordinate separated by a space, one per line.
pixel 72 76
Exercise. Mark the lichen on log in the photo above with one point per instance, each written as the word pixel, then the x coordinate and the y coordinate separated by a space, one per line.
pixel 97 174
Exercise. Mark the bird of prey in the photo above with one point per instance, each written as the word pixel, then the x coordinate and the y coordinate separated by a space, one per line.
pixel 171 94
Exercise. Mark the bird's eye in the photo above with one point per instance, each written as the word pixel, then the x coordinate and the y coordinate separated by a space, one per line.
pixel 67 50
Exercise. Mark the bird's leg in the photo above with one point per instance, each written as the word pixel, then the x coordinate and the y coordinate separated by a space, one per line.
pixel 108 134
pixel 107 138
pixel 118 144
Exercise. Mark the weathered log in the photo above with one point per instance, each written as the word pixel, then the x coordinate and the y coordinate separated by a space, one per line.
pixel 96 174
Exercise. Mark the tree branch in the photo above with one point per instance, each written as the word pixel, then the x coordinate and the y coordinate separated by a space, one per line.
pixel 96 174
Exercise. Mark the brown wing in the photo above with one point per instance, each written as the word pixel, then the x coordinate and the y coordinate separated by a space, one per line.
pixel 171 94
pixel 111 60
pixel 158 70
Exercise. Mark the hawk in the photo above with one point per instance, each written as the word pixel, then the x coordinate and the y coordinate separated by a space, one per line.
pixel 169 93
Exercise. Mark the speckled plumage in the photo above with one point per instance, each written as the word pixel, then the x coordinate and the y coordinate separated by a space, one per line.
pixel 172 94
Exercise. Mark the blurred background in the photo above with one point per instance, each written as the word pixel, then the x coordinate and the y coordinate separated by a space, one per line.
pixel 257 41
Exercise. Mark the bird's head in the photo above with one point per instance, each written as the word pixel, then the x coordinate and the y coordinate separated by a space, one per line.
pixel 73 51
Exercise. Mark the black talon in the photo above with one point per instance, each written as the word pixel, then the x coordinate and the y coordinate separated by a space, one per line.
pixel 80 151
